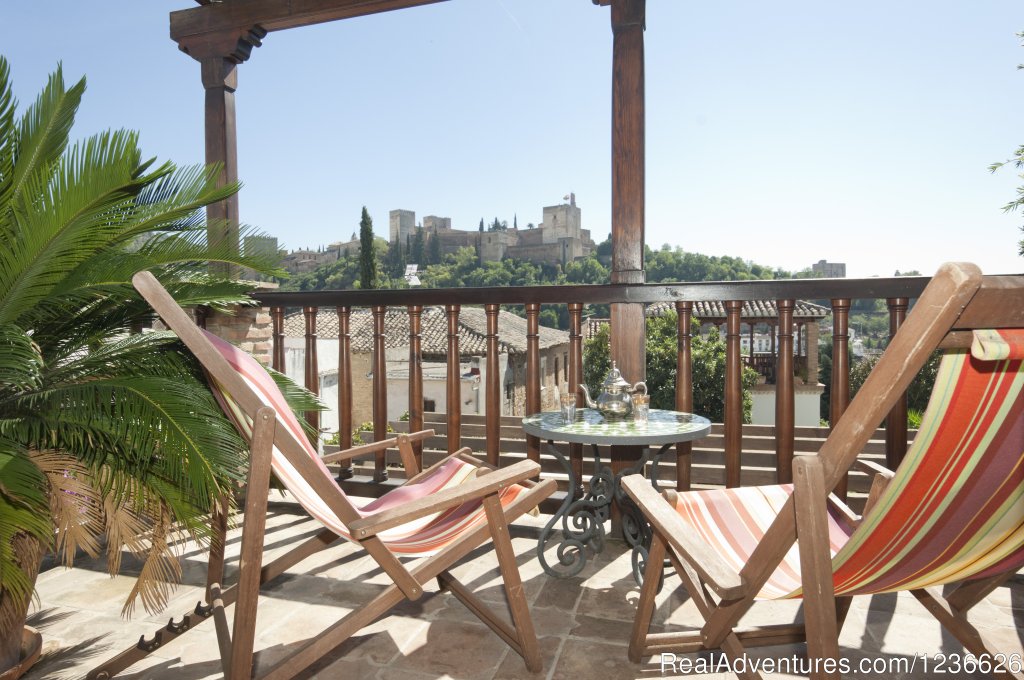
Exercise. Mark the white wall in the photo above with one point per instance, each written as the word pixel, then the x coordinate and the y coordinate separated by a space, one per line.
pixel 806 405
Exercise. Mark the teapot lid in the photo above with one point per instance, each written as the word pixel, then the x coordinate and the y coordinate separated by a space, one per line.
pixel 615 378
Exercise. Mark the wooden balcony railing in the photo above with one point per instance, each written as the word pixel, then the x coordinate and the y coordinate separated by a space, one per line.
pixel 840 292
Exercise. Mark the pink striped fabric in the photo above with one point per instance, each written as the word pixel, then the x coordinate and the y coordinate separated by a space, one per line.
pixel 420 538
pixel 953 511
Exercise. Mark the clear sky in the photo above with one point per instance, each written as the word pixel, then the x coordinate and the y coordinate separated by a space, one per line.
pixel 782 133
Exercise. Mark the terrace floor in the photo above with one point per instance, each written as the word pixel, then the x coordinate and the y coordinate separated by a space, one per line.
pixel 583 622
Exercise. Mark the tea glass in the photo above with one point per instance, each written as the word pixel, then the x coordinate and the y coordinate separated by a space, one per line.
pixel 641 408
pixel 568 403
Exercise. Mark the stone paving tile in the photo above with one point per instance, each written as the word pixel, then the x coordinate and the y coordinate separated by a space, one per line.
pixel 583 622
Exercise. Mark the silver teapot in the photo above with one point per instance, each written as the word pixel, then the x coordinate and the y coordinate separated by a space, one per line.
pixel 616 398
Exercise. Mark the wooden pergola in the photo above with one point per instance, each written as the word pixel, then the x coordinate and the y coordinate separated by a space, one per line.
pixel 221 35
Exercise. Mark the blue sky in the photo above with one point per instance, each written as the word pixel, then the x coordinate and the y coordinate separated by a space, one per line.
pixel 781 133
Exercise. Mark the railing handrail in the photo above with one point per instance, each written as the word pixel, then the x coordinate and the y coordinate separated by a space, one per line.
pixel 889 287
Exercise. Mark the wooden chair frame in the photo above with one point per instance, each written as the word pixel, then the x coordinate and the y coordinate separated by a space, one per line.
pixel 956 301
pixel 236 642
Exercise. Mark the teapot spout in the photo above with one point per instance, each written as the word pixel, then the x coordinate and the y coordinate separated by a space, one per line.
pixel 586 396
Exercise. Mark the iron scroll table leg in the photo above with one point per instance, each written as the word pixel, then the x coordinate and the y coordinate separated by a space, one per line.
pixel 635 529
pixel 582 519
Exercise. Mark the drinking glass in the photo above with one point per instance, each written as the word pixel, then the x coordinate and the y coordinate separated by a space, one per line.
pixel 641 408
pixel 568 402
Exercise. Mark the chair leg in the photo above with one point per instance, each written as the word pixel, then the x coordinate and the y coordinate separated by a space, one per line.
pixel 251 558
pixel 518 607
pixel 820 616
pixel 645 606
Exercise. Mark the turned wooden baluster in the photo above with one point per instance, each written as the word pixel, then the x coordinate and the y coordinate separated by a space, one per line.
pixel 840 394
pixel 454 383
pixel 344 387
pixel 573 385
pixel 416 379
pixel 896 421
pixel 785 406
pixel 380 390
pixel 684 388
pixel 532 373
pixel 312 375
pixel 493 387
pixel 733 393
pixel 277 333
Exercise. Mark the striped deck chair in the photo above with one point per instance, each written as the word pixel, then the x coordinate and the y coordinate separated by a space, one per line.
pixel 415 532
pixel 952 514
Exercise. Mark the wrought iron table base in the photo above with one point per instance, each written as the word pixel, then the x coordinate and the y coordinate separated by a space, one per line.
pixel 583 519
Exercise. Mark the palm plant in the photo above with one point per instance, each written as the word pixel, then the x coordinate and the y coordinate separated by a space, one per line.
pixel 107 436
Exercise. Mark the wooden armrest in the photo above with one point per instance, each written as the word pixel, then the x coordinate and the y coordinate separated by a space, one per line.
pixel 880 477
pixel 373 447
pixel 664 519
pixel 873 468
pixel 486 482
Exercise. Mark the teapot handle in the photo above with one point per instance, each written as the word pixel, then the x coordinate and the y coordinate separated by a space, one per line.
pixel 639 385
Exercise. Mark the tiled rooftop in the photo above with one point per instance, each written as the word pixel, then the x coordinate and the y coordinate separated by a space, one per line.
pixel 583 622
pixel 434 330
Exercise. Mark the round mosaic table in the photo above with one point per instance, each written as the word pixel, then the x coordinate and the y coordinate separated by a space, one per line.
pixel 583 518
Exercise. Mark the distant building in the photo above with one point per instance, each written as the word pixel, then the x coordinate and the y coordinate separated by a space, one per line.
pixel 829 270
pixel 402 225
pixel 559 239
pixel 303 261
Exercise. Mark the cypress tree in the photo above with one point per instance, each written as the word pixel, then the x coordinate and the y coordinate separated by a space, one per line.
pixel 367 257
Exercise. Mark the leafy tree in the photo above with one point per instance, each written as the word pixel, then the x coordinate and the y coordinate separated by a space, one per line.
pixel 394 261
pixel 367 254
pixel 434 249
pixel 106 435
pixel 586 270
pixel 708 369
pixel 1017 160
pixel 417 252
pixel 498 225
pixel 920 389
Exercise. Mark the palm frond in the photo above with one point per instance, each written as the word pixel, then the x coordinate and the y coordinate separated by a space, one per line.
pixel 40 140
pixel 161 570
pixel 74 505
pixel 7 142
pixel 23 516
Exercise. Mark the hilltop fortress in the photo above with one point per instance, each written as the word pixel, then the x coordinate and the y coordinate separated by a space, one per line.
pixel 559 239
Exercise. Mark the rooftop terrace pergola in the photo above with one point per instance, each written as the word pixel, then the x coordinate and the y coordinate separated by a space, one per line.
pixel 221 36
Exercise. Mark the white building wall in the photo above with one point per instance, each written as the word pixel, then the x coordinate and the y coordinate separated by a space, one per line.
pixel 806 405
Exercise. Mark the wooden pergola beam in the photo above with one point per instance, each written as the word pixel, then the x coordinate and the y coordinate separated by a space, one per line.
pixel 211 22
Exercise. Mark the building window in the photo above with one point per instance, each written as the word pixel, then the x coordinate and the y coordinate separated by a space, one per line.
pixel 557 376
pixel 565 366
pixel 429 405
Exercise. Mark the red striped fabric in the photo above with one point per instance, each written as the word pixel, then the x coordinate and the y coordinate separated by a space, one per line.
pixel 953 511
pixel 419 538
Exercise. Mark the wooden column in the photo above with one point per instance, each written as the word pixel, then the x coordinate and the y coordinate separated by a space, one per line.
pixel 220 79
pixel 532 373
pixel 840 393
pixel 733 393
pixel 684 388
pixel 277 322
pixel 380 391
pixel 312 373
pixel 344 387
pixel 416 378
pixel 785 400
pixel 574 380
pixel 454 381
pixel 493 386
pixel 896 421
pixel 628 147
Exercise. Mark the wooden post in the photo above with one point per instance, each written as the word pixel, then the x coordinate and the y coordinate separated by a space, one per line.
pixel 312 373
pixel 840 393
pixel 380 391
pixel 493 387
pixel 220 79
pixel 344 387
pixel 896 421
pixel 733 393
pixel 684 389
pixel 416 379
pixel 628 146
pixel 785 400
